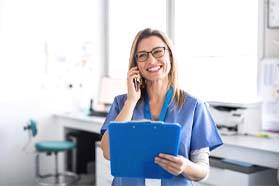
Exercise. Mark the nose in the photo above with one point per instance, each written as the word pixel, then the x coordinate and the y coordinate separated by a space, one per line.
pixel 151 59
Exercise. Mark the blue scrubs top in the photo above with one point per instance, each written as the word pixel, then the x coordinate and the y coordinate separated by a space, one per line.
pixel 198 130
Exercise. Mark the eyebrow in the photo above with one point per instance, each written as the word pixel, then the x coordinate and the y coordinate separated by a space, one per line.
pixel 151 49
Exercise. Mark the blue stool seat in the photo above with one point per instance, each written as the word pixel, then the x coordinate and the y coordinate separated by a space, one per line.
pixel 54 146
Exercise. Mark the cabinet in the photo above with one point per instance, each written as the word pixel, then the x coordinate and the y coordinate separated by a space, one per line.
pixel 103 176
pixel 231 173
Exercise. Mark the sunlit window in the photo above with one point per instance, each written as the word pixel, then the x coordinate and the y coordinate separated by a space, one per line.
pixel 51 45
pixel 216 42
pixel 124 23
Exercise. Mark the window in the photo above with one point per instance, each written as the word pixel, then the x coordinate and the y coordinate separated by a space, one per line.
pixel 216 44
pixel 50 45
pixel 124 23
pixel 72 44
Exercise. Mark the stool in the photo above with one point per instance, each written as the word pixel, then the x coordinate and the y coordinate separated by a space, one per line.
pixel 51 147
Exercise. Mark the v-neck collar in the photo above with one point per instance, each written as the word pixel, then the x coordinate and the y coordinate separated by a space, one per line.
pixel 147 113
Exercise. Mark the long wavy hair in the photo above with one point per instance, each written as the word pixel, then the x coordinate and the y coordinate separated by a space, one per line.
pixel 179 96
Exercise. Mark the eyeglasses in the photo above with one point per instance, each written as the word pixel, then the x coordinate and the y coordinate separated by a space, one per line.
pixel 156 52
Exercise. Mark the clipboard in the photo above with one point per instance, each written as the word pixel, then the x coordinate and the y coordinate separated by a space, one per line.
pixel 134 145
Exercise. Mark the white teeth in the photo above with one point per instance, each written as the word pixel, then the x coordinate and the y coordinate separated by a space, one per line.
pixel 154 69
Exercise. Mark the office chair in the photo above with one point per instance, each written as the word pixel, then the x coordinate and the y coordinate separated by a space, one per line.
pixel 51 147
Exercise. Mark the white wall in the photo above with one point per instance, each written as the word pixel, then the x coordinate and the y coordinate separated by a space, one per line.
pixel 22 97
pixel 23 92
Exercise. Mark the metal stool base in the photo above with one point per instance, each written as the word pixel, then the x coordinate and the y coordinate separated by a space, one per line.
pixel 62 179
pixel 56 179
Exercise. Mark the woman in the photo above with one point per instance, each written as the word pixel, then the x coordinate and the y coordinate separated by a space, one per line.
pixel 152 59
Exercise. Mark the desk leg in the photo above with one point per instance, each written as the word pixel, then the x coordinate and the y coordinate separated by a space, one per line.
pixel 278 175
pixel 62 157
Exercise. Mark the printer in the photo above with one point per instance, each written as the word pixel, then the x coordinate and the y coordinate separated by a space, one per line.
pixel 236 118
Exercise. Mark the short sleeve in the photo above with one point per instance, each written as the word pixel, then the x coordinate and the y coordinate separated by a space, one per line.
pixel 113 112
pixel 204 131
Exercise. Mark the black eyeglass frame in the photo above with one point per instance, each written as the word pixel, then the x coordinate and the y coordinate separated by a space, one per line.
pixel 145 52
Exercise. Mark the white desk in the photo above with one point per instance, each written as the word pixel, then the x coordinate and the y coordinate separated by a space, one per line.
pixel 254 150
pixel 258 151
pixel 68 121
pixel 79 122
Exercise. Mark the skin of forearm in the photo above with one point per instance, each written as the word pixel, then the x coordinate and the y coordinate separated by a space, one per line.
pixel 105 146
pixel 195 171
pixel 125 115
pixel 126 112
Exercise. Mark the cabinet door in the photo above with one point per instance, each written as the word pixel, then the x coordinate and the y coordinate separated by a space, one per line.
pixel 103 176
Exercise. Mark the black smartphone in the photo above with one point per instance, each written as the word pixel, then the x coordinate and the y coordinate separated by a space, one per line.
pixel 137 83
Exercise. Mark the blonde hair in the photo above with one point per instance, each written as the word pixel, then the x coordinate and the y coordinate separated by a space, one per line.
pixel 179 95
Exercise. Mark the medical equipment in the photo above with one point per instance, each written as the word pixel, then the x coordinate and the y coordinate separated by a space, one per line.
pixel 235 118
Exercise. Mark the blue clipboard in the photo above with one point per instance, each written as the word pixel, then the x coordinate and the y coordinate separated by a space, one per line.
pixel 134 145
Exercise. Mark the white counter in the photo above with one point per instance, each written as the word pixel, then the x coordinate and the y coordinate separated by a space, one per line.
pixel 79 121
pixel 250 149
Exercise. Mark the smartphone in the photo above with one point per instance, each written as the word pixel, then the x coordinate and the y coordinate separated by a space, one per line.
pixel 137 83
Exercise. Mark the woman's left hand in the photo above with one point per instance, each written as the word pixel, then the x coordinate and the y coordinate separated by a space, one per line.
pixel 173 164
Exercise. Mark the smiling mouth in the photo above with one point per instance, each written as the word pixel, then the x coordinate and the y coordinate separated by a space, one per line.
pixel 154 69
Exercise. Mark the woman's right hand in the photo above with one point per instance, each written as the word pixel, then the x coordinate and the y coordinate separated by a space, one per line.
pixel 133 95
